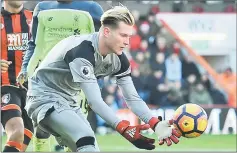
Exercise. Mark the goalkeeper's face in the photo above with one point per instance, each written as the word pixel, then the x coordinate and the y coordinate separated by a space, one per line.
pixel 118 38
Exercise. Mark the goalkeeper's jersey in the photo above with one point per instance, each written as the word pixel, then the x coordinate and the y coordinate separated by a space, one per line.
pixel 75 63
pixel 73 60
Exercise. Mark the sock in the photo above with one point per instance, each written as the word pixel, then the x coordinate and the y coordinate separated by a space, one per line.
pixel 27 136
pixel 12 146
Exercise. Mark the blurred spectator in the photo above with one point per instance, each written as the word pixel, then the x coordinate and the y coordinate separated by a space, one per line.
pixel 230 80
pixel 189 68
pixel 159 63
pixel 139 84
pixel 154 28
pixel 120 99
pixel 229 77
pixel 177 6
pixel 155 9
pixel 160 45
pixel 206 81
pixel 110 89
pixel 174 98
pixel 136 16
pixel 143 64
pixel 199 95
pixel 173 68
pixel 229 9
pixel 176 47
pixel 197 9
pixel 216 95
pixel 157 87
pixel 165 34
pixel 188 83
pixel 144 30
pixel 135 40
pixel 143 46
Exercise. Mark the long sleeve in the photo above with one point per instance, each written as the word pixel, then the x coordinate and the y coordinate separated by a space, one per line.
pixel 135 103
pixel 31 43
pixel 83 73
pixel 94 98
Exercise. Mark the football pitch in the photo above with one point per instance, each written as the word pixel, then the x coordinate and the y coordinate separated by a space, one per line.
pixel 115 142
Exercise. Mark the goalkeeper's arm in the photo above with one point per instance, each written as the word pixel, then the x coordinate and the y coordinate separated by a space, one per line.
pixel 138 106
pixel 131 133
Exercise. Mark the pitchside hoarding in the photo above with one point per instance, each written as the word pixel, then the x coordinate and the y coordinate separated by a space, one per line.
pixel 206 33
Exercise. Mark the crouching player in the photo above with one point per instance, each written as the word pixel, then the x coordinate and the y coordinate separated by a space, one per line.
pixel 74 64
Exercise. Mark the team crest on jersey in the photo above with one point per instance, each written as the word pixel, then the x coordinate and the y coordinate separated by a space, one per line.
pixel 18 41
pixel 6 98
pixel 85 70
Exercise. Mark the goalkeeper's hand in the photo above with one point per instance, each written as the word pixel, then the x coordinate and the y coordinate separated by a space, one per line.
pixel 133 135
pixel 22 77
pixel 164 131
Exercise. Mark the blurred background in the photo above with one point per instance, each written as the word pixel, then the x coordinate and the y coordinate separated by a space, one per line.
pixel 180 52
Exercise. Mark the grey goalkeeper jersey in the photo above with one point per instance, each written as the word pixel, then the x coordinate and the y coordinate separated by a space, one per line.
pixel 75 63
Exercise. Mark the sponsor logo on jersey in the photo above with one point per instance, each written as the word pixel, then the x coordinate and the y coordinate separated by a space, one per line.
pixel 18 41
pixel 50 18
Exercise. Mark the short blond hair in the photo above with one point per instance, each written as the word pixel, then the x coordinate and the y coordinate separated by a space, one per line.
pixel 115 15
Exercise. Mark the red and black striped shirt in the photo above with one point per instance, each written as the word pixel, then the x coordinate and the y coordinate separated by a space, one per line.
pixel 15 34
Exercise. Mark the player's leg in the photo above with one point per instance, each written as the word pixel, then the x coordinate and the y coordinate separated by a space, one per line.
pixel 84 109
pixel 75 133
pixel 11 119
pixel 28 130
pixel 28 125
pixel 41 141
pixel 81 113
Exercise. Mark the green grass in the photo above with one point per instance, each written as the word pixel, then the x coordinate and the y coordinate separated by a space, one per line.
pixel 115 142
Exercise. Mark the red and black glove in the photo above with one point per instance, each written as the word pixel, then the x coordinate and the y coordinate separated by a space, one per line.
pixel 164 131
pixel 133 135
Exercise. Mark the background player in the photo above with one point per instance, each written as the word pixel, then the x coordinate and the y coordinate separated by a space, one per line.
pixel 73 64
pixel 15 22
pixel 46 34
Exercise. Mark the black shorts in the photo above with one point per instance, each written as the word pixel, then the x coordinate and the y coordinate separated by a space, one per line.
pixel 12 105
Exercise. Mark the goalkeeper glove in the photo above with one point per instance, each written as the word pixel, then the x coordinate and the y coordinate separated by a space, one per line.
pixel 133 135
pixel 164 131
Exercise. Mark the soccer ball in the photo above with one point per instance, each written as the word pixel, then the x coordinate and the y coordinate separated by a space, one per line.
pixel 190 120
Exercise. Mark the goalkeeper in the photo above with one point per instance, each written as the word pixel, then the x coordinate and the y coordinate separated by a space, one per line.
pixel 75 63
pixel 53 21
